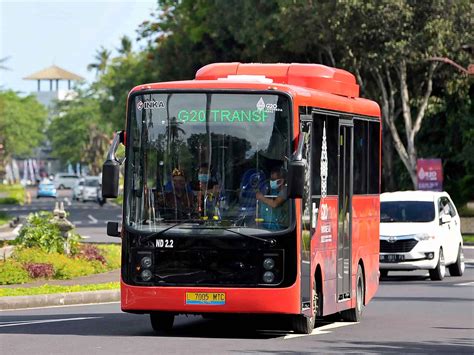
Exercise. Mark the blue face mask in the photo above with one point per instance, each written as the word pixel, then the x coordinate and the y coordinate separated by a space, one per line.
pixel 203 177
pixel 274 184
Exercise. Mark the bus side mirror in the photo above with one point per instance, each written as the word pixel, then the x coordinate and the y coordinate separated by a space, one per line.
pixel 296 173
pixel 111 169
pixel 110 179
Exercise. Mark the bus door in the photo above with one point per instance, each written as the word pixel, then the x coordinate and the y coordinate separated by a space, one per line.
pixel 306 215
pixel 344 235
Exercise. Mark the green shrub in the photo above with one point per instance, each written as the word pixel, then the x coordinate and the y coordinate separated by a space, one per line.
pixel 4 218
pixel 112 254
pixel 12 272
pixel 9 201
pixel 15 194
pixel 41 232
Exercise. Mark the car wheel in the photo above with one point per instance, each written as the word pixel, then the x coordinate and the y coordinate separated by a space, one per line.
pixel 161 321
pixel 61 187
pixel 355 314
pixel 383 273
pixel 303 324
pixel 457 269
pixel 438 273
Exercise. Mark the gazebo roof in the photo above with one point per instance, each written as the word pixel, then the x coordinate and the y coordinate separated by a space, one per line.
pixel 54 73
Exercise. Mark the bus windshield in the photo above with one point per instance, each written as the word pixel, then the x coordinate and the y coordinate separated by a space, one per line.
pixel 213 157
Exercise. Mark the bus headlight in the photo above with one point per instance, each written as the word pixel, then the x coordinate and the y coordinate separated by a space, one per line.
pixel 268 277
pixel 268 264
pixel 146 275
pixel 146 262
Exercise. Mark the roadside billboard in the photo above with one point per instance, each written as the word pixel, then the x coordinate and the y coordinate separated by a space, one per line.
pixel 429 174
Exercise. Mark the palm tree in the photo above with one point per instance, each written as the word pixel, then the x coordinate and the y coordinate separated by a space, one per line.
pixel 125 46
pixel 102 57
pixel 3 60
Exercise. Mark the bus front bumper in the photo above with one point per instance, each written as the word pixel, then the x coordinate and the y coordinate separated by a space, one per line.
pixel 145 299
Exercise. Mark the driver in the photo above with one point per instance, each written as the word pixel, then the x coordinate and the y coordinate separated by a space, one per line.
pixel 180 198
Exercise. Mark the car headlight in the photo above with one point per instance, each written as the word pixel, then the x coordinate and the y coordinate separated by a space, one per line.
pixel 424 236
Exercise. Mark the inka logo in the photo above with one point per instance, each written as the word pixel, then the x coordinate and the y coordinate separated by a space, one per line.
pixel 260 104
pixel 147 105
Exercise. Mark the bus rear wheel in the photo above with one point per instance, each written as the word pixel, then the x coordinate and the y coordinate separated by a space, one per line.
pixel 355 314
pixel 161 321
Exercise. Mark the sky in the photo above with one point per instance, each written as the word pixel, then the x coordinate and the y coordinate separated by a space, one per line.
pixel 37 34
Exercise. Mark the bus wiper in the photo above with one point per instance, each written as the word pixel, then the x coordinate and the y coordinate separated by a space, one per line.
pixel 272 242
pixel 163 231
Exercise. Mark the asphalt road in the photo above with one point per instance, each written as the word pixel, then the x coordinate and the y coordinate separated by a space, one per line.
pixel 410 314
pixel 89 217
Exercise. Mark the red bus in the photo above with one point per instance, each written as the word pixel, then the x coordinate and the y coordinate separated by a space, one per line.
pixel 252 189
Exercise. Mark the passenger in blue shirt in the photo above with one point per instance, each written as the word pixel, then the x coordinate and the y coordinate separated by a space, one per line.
pixel 273 208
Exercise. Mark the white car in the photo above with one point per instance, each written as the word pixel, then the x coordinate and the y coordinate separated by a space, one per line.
pixel 89 191
pixel 420 230
pixel 65 181
pixel 77 190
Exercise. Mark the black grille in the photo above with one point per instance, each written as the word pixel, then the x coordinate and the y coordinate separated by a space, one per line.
pixel 400 246
pixel 207 267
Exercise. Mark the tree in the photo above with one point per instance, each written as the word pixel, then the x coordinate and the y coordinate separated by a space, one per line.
pixel 125 46
pixel 102 57
pixel 78 133
pixel 3 60
pixel 22 121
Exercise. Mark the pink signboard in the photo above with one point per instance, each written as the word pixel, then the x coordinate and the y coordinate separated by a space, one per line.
pixel 429 174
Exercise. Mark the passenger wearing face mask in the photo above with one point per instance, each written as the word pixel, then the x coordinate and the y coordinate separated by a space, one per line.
pixel 208 194
pixel 273 208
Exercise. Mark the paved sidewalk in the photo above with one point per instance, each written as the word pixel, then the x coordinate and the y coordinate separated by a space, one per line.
pixel 59 299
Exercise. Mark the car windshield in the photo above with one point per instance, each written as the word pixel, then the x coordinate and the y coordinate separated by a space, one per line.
pixel 215 157
pixel 407 211
pixel 92 183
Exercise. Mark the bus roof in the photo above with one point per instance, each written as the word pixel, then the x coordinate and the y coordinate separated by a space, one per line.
pixel 312 85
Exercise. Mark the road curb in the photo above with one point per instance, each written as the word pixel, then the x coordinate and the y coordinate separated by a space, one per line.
pixel 58 299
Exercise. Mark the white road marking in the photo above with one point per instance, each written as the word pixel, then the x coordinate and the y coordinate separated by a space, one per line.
pixel 85 237
pixel 471 283
pixel 93 220
pixel 305 262
pixel 68 202
pixel 11 324
pixel 468 246
pixel 58 306
pixel 325 329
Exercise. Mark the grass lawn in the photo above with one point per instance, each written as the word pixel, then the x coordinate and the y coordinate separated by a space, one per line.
pixel 48 289
pixel 468 238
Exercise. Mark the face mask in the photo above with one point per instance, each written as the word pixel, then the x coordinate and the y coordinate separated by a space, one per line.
pixel 274 184
pixel 203 178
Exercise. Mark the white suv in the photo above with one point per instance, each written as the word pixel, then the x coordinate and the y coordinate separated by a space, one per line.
pixel 420 230
pixel 65 181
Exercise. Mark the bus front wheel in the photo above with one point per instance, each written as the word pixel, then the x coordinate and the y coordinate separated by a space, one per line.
pixel 303 324
pixel 354 314
pixel 161 321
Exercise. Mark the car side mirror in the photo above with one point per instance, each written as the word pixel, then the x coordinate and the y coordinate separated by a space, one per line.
pixel 112 229
pixel 445 218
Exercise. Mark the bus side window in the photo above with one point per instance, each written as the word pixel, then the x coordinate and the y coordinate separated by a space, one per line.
pixel 374 157
pixel 360 157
